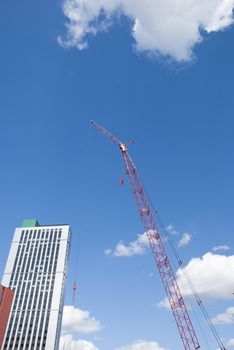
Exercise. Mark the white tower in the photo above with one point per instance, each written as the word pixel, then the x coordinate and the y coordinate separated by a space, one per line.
pixel 37 270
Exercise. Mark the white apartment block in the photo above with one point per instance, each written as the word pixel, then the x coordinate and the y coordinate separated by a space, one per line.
pixel 37 271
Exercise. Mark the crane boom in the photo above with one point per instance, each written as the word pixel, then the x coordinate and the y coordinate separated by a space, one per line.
pixel 106 132
pixel 176 301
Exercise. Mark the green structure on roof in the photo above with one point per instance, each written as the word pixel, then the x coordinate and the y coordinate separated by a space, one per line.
pixel 30 223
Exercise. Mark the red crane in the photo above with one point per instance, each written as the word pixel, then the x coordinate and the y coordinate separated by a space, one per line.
pixel 176 301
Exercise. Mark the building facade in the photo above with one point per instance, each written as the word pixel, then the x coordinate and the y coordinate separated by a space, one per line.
pixel 6 297
pixel 36 270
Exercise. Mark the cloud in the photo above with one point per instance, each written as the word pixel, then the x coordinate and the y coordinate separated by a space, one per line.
pixel 137 247
pixel 171 229
pixel 142 345
pixel 170 27
pixel 80 321
pixel 212 276
pixel 220 248
pixel 186 238
pixel 67 342
pixel 163 304
pixel 225 318
pixel 231 343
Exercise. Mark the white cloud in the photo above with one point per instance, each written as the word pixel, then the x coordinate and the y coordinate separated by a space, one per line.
pixel 225 318
pixel 167 27
pixel 231 343
pixel 108 251
pixel 137 247
pixel 212 276
pixel 80 321
pixel 171 229
pixel 67 342
pixel 163 304
pixel 220 248
pixel 186 238
pixel 142 345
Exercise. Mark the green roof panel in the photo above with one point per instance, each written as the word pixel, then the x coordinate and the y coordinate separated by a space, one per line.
pixel 30 223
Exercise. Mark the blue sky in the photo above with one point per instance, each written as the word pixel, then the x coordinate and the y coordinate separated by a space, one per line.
pixel 176 103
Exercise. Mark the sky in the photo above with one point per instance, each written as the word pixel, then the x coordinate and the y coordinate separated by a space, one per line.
pixel 158 72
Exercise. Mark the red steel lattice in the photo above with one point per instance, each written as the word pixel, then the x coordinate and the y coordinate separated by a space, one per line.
pixel 176 301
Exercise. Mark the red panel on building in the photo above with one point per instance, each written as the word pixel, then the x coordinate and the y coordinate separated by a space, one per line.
pixel 6 297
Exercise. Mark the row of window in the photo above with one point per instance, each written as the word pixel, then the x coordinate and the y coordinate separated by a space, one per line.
pixel 40 234
pixel 33 279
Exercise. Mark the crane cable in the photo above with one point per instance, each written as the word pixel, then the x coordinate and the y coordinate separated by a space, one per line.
pixel 82 210
pixel 188 302
pixel 77 245
pixel 168 239
pixel 188 279
pixel 205 313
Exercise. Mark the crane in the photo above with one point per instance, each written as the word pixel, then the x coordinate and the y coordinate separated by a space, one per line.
pixel 176 301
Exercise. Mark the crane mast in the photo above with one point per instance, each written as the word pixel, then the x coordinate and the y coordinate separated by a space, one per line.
pixel 176 301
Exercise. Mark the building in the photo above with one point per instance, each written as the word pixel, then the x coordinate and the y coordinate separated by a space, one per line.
pixel 6 297
pixel 36 270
